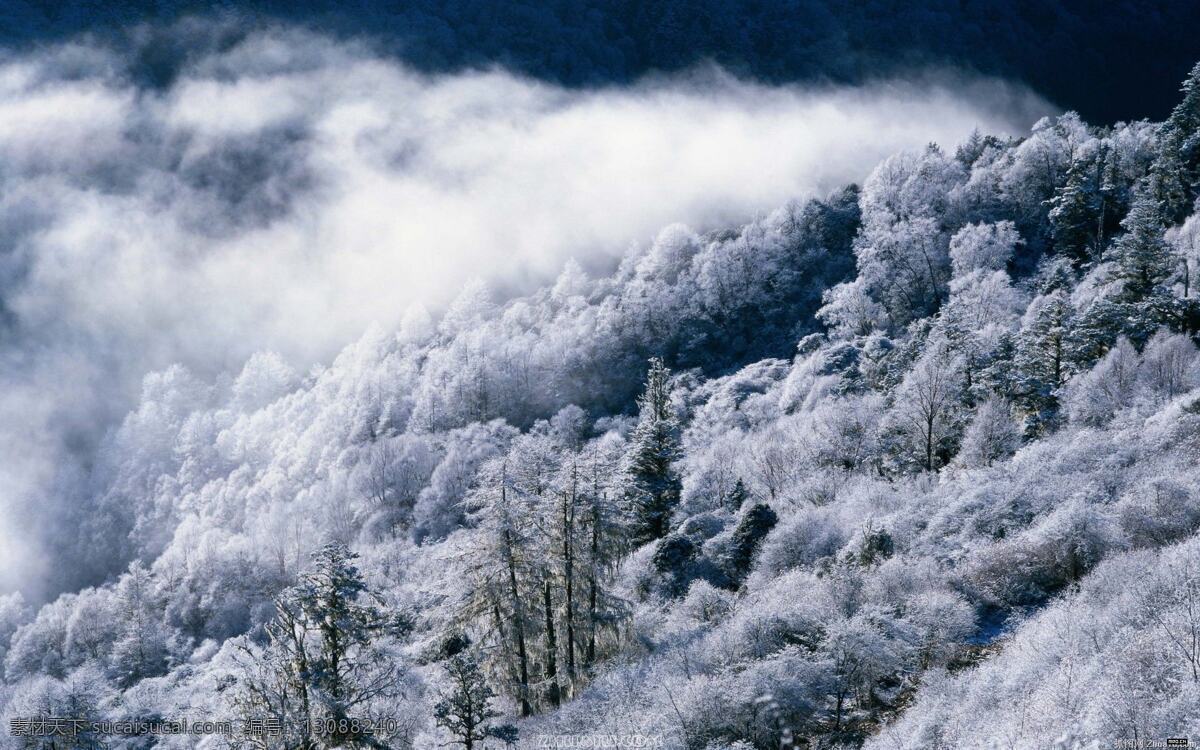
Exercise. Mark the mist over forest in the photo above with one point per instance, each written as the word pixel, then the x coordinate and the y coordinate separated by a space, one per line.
pixel 486 375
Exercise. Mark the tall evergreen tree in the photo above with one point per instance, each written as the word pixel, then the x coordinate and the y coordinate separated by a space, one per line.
pixel 1079 208
pixel 752 528
pixel 652 486
pixel 498 565
pixel 565 527
pixel 1175 173
pixel 1142 259
pixel 1136 299
pixel 322 665
pixel 997 371
pixel 465 709
pixel 1040 366
pixel 141 651
pixel 346 617
pixel 603 541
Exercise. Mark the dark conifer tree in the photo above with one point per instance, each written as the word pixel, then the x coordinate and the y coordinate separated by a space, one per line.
pixel 1175 174
pixel 652 487
pixel 465 709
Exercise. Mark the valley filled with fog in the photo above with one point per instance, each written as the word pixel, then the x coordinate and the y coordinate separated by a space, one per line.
pixel 699 411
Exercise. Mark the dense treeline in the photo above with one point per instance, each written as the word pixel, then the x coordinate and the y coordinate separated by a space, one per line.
pixel 841 476
pixel 1061 49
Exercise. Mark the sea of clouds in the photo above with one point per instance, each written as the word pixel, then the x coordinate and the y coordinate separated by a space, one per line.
pixel 286 191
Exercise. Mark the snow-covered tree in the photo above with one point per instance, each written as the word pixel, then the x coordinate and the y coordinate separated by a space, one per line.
pixel 1169 367
pixel 324 674
pixel 142 649
pixel 652 486
pixel 927 410
pixel 1096 396
pixel 992 435
pixel 1041 366
pixel 465 709
pixel 1176 169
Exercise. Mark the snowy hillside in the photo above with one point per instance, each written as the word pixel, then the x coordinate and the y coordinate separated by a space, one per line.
pixel 909 466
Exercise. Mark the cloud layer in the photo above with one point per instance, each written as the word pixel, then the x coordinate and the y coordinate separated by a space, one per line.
pixel 289 191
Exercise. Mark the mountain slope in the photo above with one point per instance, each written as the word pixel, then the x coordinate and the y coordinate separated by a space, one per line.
pixel 890 478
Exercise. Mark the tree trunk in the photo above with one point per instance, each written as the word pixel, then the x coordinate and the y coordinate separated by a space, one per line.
pixel 518 627
pixel 929 443
pixel 569 578
pixel 552 692
pixel 590 655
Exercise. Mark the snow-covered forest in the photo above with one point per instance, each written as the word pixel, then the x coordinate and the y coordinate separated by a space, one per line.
pixel 912 465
